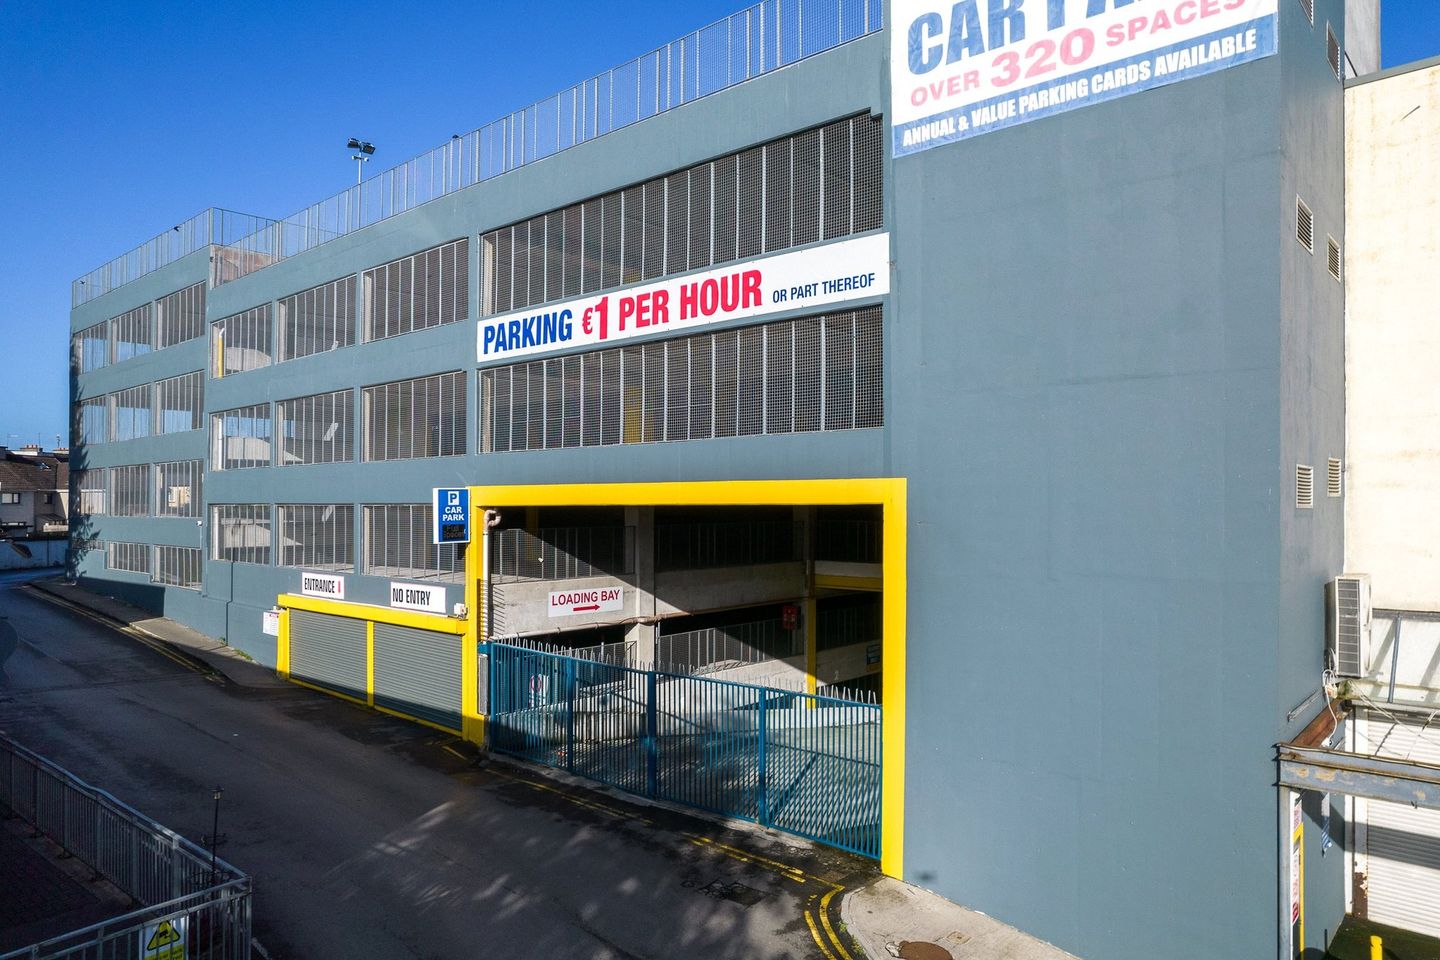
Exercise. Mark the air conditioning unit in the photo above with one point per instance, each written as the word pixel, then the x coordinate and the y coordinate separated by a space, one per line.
pixel 1348 624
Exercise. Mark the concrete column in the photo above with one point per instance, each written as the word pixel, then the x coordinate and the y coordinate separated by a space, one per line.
pixel 643 634
pixel 806 515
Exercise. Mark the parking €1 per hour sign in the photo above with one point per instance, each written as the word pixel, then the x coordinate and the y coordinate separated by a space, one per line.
pixel 451 515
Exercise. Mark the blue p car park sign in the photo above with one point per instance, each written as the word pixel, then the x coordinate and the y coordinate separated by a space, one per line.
pixel 452 515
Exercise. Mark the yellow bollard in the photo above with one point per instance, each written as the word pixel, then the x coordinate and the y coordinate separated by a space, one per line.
pixel 1377 949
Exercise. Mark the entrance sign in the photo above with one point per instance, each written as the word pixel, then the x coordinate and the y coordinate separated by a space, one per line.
pixel 816 276
pixel 322 585
pixel 451 512
pixel 962 69
pixel 410 596
pixel 164 940
pixel 569 603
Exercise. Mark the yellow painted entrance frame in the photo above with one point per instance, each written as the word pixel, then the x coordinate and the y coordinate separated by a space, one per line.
pixel 889 493
pixel 370 615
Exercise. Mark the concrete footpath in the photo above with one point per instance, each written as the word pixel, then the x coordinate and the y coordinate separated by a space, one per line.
pixel 892 919
pixel 884 918
pixel 214 654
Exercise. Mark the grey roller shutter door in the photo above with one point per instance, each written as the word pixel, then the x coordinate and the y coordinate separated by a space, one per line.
pixel 1403 842
pixel 328 651
pixel 417 672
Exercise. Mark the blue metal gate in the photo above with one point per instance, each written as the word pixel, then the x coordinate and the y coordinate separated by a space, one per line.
pixel 802 763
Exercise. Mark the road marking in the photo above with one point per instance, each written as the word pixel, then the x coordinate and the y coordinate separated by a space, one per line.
pixel 809 920
pixel 135 633
pixel 825 919
pixel 735 853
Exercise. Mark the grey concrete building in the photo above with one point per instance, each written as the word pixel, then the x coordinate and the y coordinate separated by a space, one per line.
pixel 974 364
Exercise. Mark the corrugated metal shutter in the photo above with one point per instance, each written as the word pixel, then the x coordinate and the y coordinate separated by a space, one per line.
pixel 417 672
pixel 328 651
pixel 1403 842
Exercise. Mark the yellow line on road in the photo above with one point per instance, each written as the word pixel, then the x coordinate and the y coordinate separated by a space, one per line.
pixel 825 919
pixel 814 932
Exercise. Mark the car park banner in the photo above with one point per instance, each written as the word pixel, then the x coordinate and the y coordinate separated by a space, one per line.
pixel 959 70
pixel 818 276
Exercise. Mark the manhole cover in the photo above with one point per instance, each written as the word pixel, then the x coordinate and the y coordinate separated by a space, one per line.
pixel 922 950
pixel 736 892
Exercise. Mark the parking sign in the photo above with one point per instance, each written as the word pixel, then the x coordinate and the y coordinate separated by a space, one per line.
pixel 451 510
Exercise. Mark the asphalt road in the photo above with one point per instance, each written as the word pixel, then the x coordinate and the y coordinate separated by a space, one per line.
pixel 372 837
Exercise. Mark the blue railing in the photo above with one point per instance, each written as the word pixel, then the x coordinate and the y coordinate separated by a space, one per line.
pixel 755 41
pixel 805 764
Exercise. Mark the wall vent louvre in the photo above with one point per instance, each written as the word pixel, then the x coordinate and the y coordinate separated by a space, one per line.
pixel 1334 478
pixel 1332 52
pixel 1304 225
pixel 1304 487
pixel 1309 7
pixel 1332 260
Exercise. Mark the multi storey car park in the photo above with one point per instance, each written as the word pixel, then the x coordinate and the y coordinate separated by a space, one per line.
pixel 781 358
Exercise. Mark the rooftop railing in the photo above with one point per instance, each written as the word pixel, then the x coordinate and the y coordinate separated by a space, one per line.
pixel 740 47
pixel 208 227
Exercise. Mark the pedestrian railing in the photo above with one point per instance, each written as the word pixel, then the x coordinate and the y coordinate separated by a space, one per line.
pixel 562 553
pixel 754 41
pixel 801 763
pixel 185 894
pixel 737 643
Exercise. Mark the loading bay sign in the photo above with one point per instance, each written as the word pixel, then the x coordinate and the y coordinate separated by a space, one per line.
pixel 958 70
pixel 570 603
pixel 451 512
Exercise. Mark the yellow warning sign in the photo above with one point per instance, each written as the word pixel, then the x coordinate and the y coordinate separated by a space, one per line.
pixel 164 940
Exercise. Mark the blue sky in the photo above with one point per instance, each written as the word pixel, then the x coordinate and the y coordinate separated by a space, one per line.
pixel 119 119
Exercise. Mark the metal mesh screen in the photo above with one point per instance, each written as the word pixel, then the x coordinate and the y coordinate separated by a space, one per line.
pixel 92 347
pixel 132 557
pixel 416 418
pixel 240 532
pixel 417 292
pixel 130 413
pixel 93 420
pixel 240 437
pixel 129 489
pixel 316 320
pixel 397 544
pixel 132 333
pixel 179 403
pixel 761 38
pixel 241 342
pixel 180 316
pixel 178 566
pixel 88 491
pixel 819 185
pixel 177 488
pixel 320 536
pixel 317 429
pixel 816 373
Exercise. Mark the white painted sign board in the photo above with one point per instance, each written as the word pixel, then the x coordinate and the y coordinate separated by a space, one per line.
pixel 571 603
pixel 411 596
pixel 811 277
pixel 322 585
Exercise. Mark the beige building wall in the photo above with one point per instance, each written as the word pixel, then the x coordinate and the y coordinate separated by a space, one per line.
pixel 1392 335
